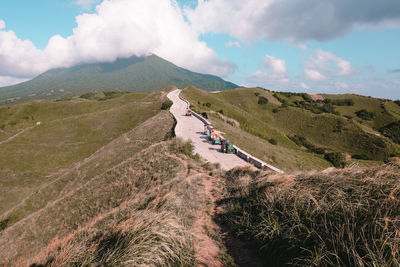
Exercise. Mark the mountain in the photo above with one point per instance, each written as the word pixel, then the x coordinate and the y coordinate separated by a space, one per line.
pixel 134 74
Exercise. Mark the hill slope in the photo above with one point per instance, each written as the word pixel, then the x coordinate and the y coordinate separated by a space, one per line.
pixel 102 182
pixel 134 74
pixel 295 134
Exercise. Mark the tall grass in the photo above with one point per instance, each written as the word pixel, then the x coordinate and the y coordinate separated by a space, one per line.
pixel 347 217
pixel 148 238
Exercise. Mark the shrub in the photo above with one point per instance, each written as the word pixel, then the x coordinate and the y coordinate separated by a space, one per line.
pixel 275 110
pixel 397 102
pixel 166 104
pixel 88 95
pixel 361 156
pixel 208 104
pixel 336 158
pixel 306 97
pixel 256 94
pixel 273 141
pixel 392 131
pixel 4 224
pixel 262 100
pixel 340 102
pixel 221 111
pixel 302 141
pixel 365 115
pixel 280 99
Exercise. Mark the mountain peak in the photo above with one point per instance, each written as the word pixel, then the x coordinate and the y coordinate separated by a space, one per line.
pixel 132 74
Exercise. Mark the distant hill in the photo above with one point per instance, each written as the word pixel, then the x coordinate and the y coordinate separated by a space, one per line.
pixel 134 74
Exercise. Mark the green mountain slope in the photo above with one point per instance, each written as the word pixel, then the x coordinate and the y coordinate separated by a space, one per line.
pixel 294 132
pixel 134 74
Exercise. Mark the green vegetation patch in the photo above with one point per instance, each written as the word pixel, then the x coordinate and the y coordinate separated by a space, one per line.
pixel 340 102
pixel 392 131
pixel 102 96
pixel 166 104
pixel 365 115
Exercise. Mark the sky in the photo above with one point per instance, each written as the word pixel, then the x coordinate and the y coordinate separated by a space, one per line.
pixel 314 46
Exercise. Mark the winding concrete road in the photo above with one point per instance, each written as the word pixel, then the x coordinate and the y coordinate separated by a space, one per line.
pixel 191 128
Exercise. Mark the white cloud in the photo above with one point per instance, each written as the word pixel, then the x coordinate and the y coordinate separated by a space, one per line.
pixel 86 4
pixel 292 20
pixel 314 75
pixel 20 58
pixel 118 28
pixel 2 24
pixel 322 60
pixel 277 72
pixel 6 80
pixel 231 43
pixel 275 65
pixel 304 86
pixel 342 85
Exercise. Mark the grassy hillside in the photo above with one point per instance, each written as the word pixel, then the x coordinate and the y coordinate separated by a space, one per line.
pixel 295 133
pixel 146 74
pixel 347 217
pixel 103 182
pixel 123 205
pixel 34 155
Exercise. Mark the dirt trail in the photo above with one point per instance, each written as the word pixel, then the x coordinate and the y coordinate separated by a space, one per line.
pixel 207 251
pixel 9 139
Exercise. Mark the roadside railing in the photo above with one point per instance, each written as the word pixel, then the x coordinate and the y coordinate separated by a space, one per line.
pixel 238 151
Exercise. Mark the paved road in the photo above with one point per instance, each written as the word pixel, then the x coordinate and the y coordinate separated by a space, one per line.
pixel 191 128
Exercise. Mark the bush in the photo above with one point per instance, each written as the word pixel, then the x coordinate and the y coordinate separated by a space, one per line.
pixel 336 158
pixel 273 141
pixel 397 102
pixel 361 156
pixel 280 99
pixel 166 104
pixel 4 224
pixel 340 102
pixel 392 131
pixel 186 148
pixel 208 104
pixel 365 115
pixel 275 110
pixel 302 141
pixel 262 100
pixel 256 94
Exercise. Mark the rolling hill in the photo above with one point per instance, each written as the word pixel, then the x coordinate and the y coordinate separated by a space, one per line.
pixel 101 181
pixel 294 132
pixel 134 74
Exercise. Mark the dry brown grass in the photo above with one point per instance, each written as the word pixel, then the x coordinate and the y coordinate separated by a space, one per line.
pixel 347 217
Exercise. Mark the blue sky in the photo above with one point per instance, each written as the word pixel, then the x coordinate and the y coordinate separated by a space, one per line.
pixel 299 45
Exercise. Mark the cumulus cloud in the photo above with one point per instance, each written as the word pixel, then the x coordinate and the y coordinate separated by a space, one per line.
pixel 231 43
pixel 7 80
pixel 323 65
pixel 304 86
pixel 277 72
pixel 118 28
pixel 314 75
pixel 86 4
pixel 292 20
pixel 322 60
pixel 20 58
